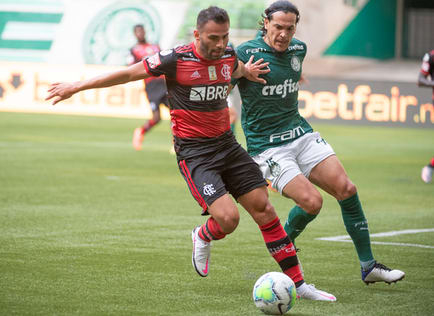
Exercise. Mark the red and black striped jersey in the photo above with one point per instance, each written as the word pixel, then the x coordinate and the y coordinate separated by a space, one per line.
pixel 427 68
pixel 140 51
pixel 197 91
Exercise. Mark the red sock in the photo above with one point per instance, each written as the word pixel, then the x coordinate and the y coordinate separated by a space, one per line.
pixel 148 126
pixel 211 230
pixel 282 250
pixel 432 162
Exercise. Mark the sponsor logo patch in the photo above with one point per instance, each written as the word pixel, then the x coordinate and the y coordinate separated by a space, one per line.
pixel 195 75
pixel 208 93
pixel 283 89
pixel 290 134
pixel 166 52
pixel 212 73
pixel 154 61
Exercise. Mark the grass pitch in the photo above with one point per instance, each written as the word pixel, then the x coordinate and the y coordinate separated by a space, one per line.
pixel 88 226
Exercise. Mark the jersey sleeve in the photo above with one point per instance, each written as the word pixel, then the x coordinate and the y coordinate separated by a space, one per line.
pixel 236 62
pixel 304 51
pixel 161 63
pixel 242 57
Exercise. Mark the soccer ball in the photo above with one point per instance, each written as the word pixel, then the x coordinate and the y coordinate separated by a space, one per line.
pixel 274 293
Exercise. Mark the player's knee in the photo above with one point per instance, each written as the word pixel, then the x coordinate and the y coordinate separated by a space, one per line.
pixel 268 209
pixel 347 190
pixel 229 222
pixel 263 212
pixel 156 119
pixel 311 203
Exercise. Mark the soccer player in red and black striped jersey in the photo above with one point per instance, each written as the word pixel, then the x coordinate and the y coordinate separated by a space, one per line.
pixel 213 164
pixel 155 87
pixel 426 79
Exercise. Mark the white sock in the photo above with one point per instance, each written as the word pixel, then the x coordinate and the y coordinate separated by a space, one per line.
pixel 302 288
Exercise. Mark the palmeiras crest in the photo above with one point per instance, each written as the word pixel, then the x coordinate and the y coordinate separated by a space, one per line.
pixel 274 167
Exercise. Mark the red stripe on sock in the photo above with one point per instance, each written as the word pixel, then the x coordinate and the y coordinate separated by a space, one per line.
pixel 203 234
pixel 214 229
pixel 211 230
pixel 272 232
pixel 151 123
pixel 294 273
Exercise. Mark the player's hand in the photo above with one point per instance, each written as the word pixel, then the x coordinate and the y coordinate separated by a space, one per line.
pixel 303 80
pixel 254 69
pixel 60 91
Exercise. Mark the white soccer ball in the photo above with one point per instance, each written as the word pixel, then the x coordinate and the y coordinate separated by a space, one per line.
pixel 274 293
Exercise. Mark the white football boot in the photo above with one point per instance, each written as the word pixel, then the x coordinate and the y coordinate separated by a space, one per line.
pixel 380 273
pixel 426 174
pixel 201 253
pixel 309 292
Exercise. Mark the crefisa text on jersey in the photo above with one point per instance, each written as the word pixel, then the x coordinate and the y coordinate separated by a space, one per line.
pixel 281 89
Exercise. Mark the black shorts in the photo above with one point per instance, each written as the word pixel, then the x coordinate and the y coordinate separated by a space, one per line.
pixel 209 176
pixel 157 93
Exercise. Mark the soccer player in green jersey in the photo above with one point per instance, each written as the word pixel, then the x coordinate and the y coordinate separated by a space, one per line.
pixel 290 154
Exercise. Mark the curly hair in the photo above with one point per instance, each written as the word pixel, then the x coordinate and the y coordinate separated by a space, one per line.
pixel 281 5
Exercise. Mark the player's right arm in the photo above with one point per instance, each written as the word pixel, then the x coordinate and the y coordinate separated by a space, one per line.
pixel 60 91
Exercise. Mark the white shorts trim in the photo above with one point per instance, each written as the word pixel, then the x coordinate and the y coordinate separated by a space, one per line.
pixel 280 165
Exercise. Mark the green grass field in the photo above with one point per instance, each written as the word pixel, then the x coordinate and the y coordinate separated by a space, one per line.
pixel 88 226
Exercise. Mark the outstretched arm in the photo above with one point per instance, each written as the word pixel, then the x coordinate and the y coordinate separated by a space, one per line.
pixel 60 91
pixel 424 81
pixel 252 70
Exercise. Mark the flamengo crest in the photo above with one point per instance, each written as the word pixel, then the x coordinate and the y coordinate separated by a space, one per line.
pixel 226 72
pixel 208 189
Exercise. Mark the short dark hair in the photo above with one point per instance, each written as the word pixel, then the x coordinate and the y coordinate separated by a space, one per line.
pixel 216 14
pixel 138 26
pixel 281 5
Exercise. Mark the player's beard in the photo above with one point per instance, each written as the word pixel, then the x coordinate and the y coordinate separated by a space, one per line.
pixel 209 53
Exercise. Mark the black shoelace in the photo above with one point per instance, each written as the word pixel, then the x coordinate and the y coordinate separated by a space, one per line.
pixel 382 267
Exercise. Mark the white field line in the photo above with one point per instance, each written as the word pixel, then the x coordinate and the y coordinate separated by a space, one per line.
pixel 346 238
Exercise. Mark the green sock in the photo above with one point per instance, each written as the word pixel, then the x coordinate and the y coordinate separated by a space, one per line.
pixel 297 221
pixel 357 227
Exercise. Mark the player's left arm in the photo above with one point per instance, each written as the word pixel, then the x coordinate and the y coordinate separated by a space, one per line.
pixel 251 70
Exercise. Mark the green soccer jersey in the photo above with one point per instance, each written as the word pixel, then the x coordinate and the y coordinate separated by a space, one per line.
pixel 270 116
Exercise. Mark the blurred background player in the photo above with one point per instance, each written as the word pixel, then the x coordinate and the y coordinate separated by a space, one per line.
pixel 155 87
pixel 427 171
pixel 426 79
